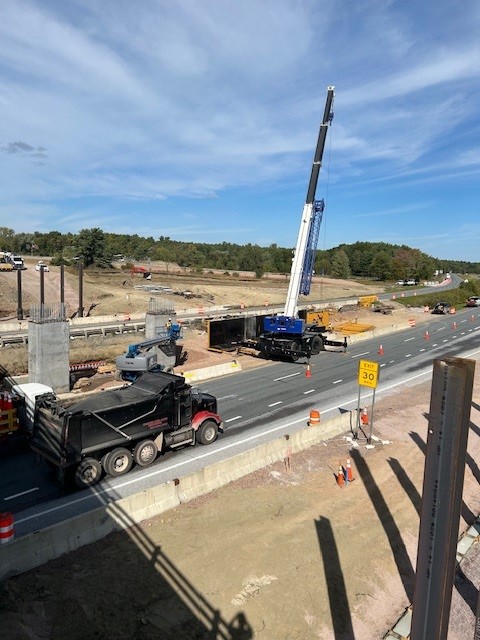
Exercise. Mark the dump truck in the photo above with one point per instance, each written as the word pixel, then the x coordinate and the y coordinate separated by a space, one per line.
pixel 110 431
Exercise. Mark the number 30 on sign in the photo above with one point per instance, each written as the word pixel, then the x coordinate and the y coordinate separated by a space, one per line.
pixel 368 373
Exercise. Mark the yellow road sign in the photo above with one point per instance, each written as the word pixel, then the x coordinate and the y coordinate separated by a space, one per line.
pixel 368 373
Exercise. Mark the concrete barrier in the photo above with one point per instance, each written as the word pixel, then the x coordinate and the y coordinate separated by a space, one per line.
pixel 35 549
pixel 211 372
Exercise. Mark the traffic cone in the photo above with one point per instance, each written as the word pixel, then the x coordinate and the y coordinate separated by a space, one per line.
pixel 454 325
pixel 364 417
pixel 340 477
pixel 308 373
pixel 380 350
pixel 426 336
pixel 349 476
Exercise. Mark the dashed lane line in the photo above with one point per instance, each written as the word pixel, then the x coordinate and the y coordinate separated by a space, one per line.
pixel 291 375
pixel 22 493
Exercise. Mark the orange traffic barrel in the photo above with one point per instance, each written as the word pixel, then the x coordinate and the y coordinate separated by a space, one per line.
pixel 6 527
pixel 314 417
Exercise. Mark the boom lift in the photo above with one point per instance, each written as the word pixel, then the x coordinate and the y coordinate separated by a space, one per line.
pixel 287 334
pixel 159 354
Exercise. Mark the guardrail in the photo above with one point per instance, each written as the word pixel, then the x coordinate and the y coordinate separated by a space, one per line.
pixel 87 331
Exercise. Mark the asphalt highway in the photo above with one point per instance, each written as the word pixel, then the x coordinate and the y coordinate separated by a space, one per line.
pixel 257 406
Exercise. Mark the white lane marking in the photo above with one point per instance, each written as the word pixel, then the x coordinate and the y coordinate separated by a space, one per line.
pixel 229 446
pixel 445 341
pixel 384 364
pixel 336 381
pixel 408 355
pixel 227 397
pixel 291 375
pixel 408 339
pixel 359 355
pixel 422 349
pixel 311 391
pixel 274 404
pixel 435 344
pixel 391 361
pixel 440 328
pixel 232 419
pixel 22 493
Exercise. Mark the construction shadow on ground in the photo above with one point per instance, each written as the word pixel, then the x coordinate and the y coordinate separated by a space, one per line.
pixel 334 578
pixel 124 587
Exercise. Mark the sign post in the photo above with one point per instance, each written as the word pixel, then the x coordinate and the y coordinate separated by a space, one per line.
pixel 367 377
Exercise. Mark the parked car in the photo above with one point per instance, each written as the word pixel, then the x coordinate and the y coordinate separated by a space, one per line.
pixel 442 308
pixel 41 266
pixel 473 301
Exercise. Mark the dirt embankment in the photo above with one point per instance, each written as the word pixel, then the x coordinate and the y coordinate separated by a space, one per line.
pixel 119 292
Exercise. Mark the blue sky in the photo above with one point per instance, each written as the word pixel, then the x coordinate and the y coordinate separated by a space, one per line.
pixel 198 119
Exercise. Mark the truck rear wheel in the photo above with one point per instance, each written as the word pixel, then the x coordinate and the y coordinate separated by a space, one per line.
pixel 88 473
pixel 145 453
pixel 207 432
pixel 118 462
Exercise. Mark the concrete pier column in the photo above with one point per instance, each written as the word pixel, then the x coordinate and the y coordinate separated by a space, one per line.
pixel 154 324
pixel 48 354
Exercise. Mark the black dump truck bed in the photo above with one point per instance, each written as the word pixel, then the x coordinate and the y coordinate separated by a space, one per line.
pixel 149 385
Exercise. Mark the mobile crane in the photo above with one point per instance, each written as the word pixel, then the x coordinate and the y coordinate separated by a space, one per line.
pixel 287 334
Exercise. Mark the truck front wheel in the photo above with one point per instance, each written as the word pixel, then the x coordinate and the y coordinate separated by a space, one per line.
pixel 88 473
pixel 118 462
pixel 207 432
pixel 316 345
pixel 145 453
pixel 294 346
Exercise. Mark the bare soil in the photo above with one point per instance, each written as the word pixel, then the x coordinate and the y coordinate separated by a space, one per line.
pixel 284 553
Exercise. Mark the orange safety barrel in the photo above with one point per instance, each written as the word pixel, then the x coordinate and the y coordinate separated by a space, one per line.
pixel 7 531
pixel 314 417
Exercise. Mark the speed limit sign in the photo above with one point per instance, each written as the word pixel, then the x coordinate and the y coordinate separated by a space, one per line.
pixel 368 373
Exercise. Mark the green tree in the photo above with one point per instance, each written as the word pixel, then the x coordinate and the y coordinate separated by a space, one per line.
pixel 90 244
pixel 340 265
pixel 381 266
pixel 7 239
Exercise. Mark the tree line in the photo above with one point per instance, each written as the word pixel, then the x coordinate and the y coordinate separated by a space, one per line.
pixel 98 249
